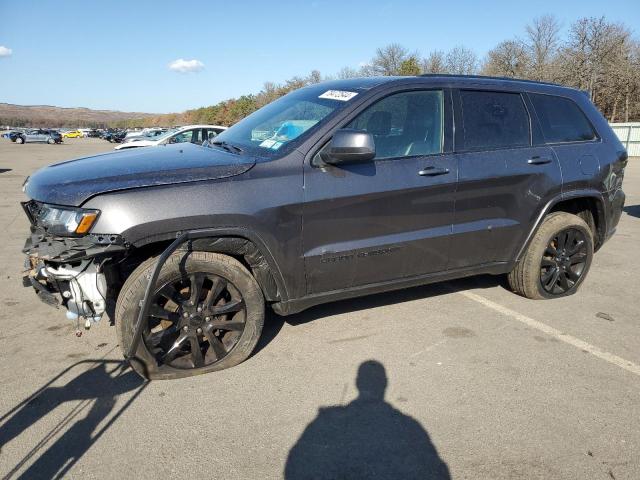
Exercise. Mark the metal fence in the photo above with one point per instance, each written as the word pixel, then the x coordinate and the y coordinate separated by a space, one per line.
pixel 629 135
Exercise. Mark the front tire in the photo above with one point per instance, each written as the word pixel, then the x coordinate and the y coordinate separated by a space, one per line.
pixel 556 261
pixel 207 314
pixel 51 141
pixel 19 140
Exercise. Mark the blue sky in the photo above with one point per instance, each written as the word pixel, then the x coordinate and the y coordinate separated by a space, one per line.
pixel 115 55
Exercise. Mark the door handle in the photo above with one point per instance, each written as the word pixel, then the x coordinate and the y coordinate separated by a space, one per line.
pixel 538 161
pixel 433 171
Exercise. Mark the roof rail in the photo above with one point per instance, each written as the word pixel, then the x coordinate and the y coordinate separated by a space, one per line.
pixel 486 77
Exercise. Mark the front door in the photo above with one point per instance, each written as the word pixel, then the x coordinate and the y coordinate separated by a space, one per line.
pixel 32 136
pixel 389 218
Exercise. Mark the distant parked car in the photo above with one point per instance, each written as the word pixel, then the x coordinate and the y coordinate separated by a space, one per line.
pixel 93 133
pixel 38 135
pixel 197 134
pixel 150 135
pixel 117 136
pixel 144 133
pixel 14 134
pixel 72 134
pixel 8 134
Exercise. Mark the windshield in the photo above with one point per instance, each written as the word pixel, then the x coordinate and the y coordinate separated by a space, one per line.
pixel 284 123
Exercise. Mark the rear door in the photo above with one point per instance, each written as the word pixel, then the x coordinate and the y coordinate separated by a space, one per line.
pixel 506 176
pixel 572 137
pixel 389 218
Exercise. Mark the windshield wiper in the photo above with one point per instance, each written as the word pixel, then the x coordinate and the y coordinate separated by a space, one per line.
pixel 227 146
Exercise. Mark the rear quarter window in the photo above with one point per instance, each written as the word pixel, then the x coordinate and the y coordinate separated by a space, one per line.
pixel 494 120
pixel 561 119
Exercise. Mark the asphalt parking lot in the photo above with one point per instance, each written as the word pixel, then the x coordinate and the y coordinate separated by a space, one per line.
pixel 463 379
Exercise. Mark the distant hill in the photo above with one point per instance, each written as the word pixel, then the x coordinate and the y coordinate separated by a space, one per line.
pixel 49 116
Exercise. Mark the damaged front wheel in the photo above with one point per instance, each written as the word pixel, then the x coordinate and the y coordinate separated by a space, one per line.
pixel 206 314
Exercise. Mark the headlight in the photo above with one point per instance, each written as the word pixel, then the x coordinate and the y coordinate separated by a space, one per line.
pixel 64 221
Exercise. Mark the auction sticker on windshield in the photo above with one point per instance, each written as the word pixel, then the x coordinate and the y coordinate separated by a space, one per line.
pixel 341 95
pixel 268 143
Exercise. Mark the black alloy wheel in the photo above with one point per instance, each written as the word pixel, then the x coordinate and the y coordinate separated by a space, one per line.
pixel 195 321
pixel 563 261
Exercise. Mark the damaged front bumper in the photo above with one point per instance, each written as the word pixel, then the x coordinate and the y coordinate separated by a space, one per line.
pixel 68 272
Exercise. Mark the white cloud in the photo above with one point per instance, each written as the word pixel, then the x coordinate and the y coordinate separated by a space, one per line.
pixel 186 66
pixel 5 52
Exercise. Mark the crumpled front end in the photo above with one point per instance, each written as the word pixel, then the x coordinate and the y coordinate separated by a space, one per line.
pixel 69 271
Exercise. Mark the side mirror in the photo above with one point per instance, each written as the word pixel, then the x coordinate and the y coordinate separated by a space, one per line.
pixel 350 146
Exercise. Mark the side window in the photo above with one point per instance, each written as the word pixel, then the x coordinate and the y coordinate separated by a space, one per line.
pixel 208 134
pixel 561 119
pixel 404 124
pixel 183 137
pixel 494 120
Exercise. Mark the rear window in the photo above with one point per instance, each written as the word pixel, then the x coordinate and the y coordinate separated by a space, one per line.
pixel 494 120
pixel 561 119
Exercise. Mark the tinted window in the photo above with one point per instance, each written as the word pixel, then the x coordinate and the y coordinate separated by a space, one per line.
pixel 404 124
pixel 208 134
pixel 494 120
pixel 561 119
pixel 187 136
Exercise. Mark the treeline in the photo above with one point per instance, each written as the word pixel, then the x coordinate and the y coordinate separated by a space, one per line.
pixel 227 112
pixel 60 122
pixel 595 55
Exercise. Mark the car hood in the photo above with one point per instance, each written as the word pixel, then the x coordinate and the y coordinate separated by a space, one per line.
pixel 74 182
pixel 137 143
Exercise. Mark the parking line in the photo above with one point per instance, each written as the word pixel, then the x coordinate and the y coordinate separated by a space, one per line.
pixel 553 332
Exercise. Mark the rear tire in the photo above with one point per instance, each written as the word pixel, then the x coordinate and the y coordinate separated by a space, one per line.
pixel 183 337
pixel 556 261
pixel 51 141
pixel 20 140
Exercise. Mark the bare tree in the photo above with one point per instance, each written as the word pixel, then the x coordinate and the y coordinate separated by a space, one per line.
pixel 594 50
pixel 434 63
pixel 508 59
pixel 314 77
pixel 543 41
pixel 461 61
pixel 620 84
pixel 632 83
pixel 348 72
pixel 367 70
pixel 388 60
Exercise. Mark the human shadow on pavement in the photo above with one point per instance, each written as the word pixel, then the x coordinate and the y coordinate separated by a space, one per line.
pixel 633 210
pixel 93 392
pixel 368 438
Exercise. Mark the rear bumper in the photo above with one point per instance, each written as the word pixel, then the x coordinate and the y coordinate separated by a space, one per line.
pixel 615 205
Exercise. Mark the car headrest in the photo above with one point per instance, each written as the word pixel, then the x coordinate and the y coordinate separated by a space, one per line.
pixel 379 123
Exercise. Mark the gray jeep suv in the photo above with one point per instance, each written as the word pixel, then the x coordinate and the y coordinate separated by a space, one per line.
pixel 336 190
